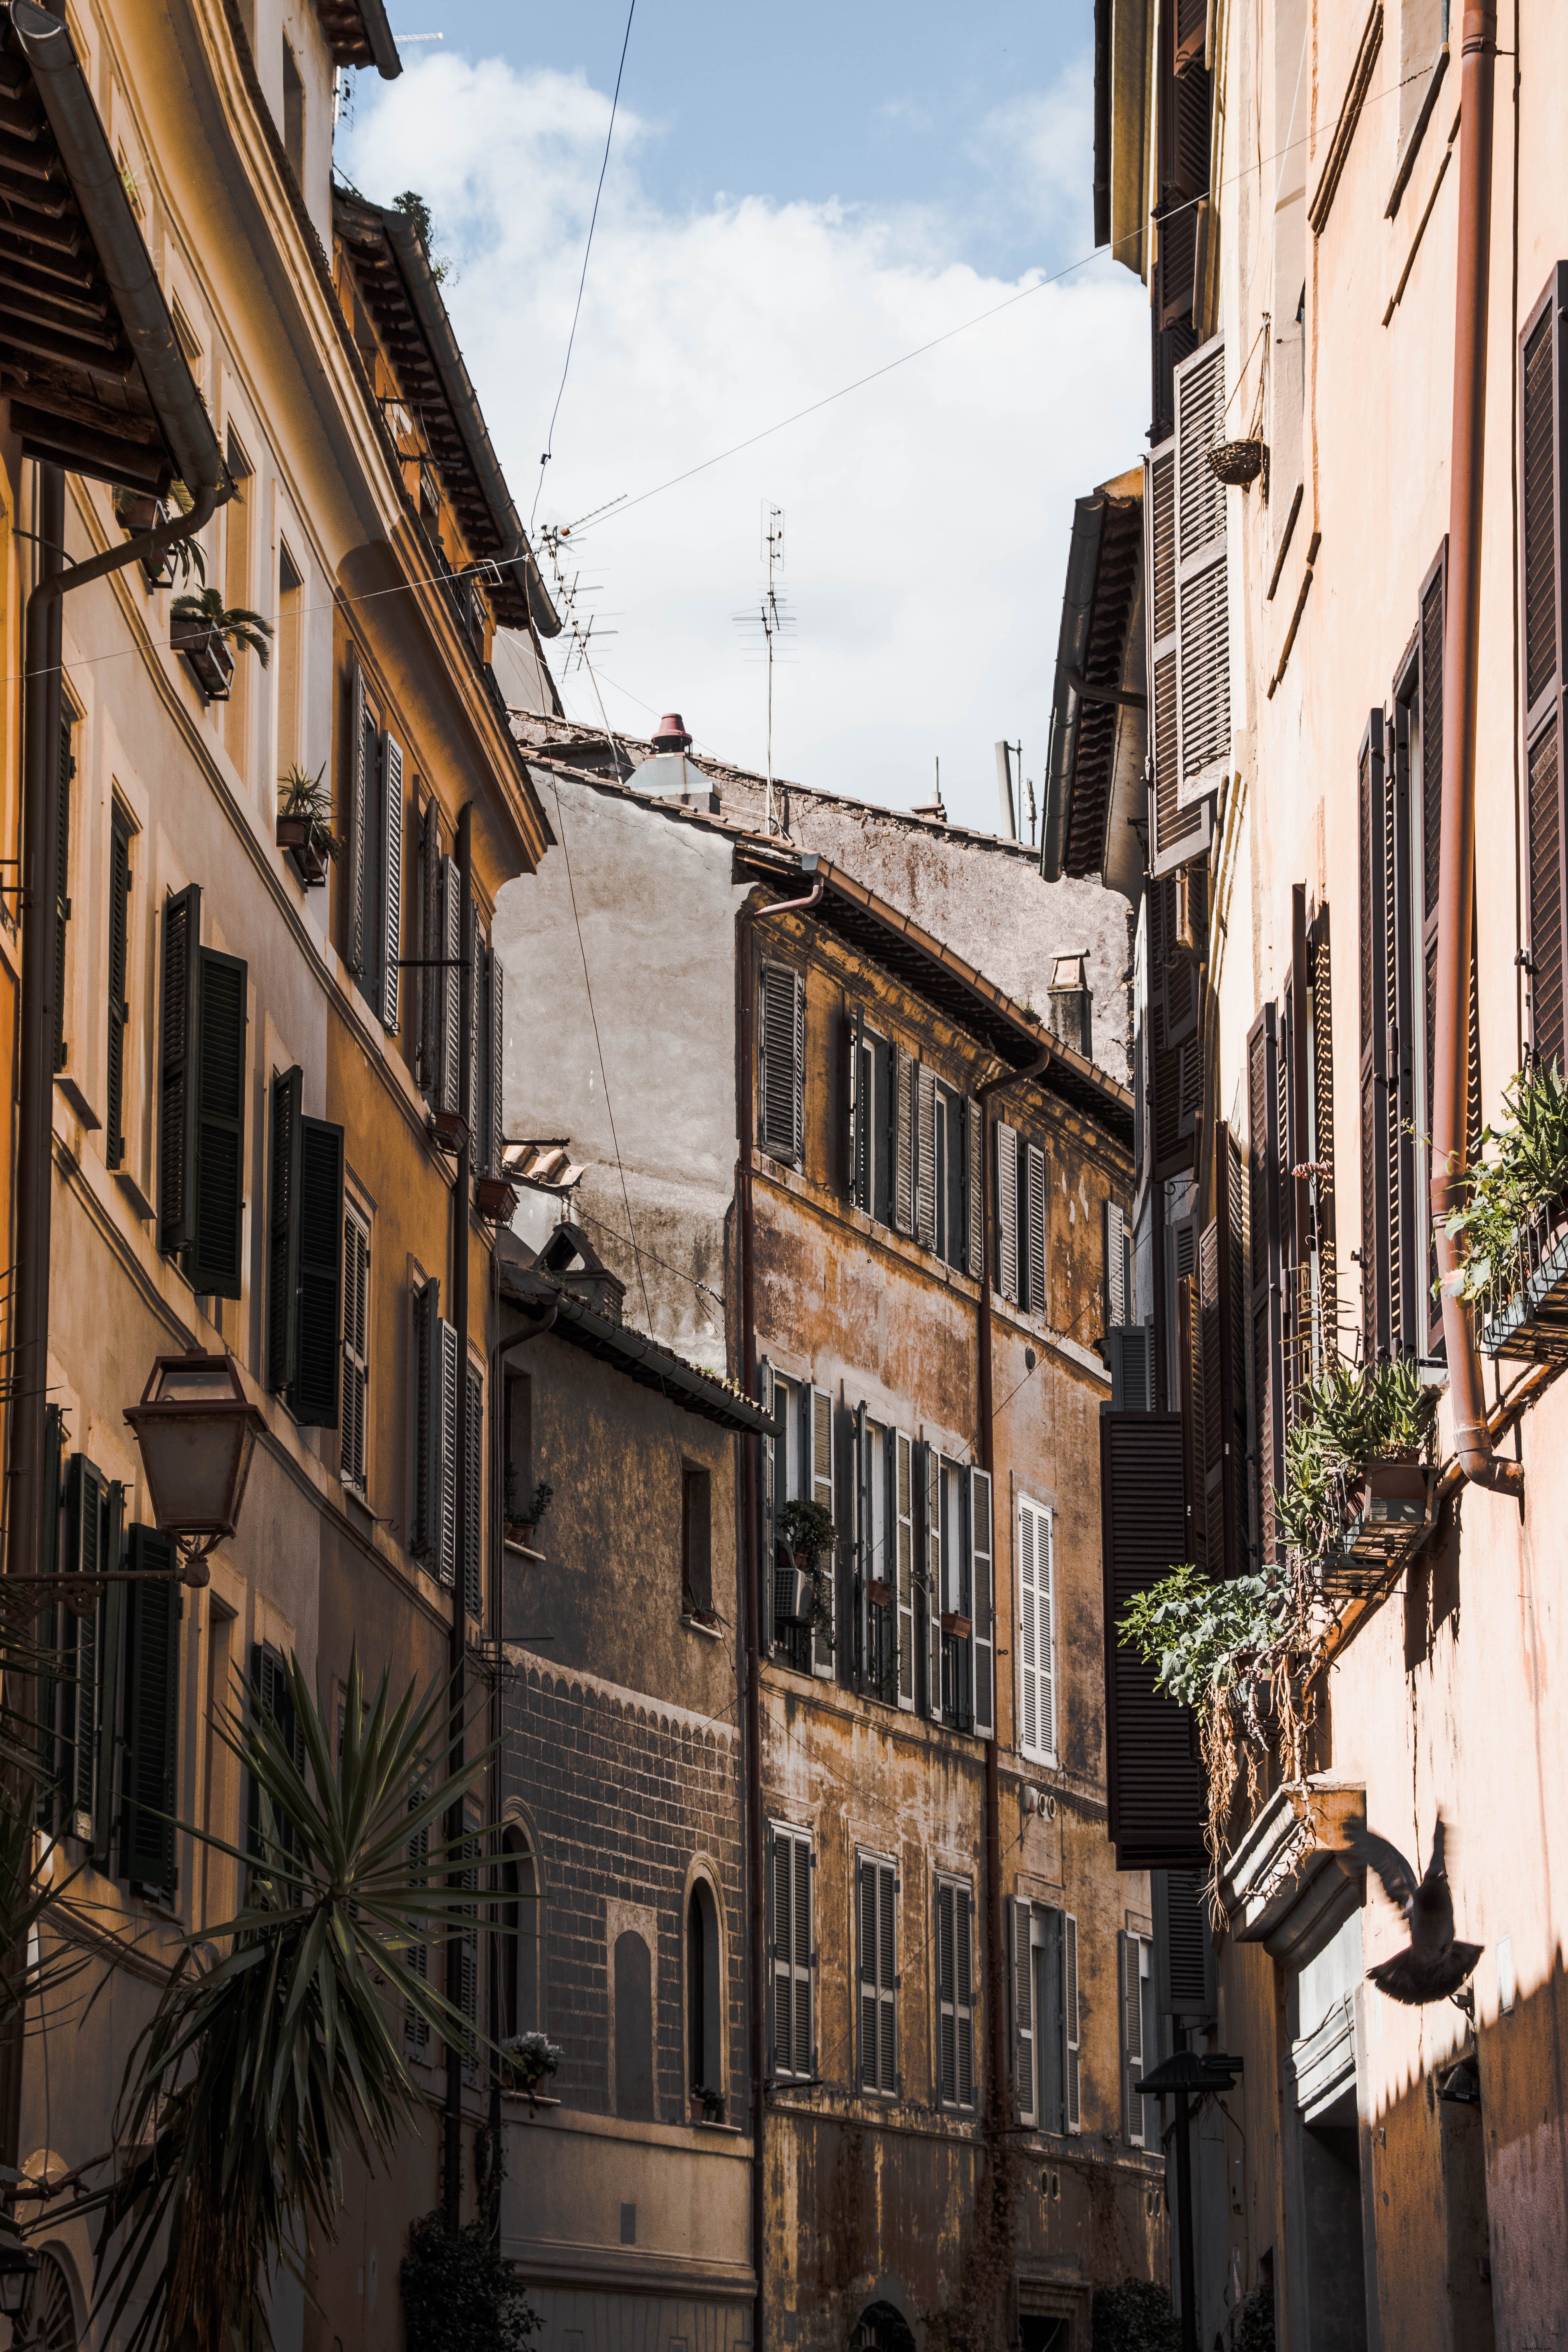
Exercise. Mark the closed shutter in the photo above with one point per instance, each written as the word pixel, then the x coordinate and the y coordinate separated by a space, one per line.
pixel 179 1018
pixel 1376 1169
pixel 1321 1027
pixel 390 926
pixel 474 968
pixel 313 1397
pixel 1203 595
pixel 1020 1916
pixel 792 1958
pixel 1263 1292
pixel 1117 1269
pixel 1177 831
pixel 356 1347
pixel 1221 1354
pixel 974 1203
pixel 1154 1782
pixel 497 1137
pixel 1543 395
pixel 901 1449
pixel 1034 1227
pixel 858 1110
pixel 357 880
pixel 1006 1149
pixel 1401 1015
pixel 905 1141
pixel 109 1644
pixel 1430 636
pixel 417 1959
pixel 62 888
pixel 1036 1634
pixel 119 1006
pixel 925 1156
pixel 473 1572
pixel 449 1000
pixel 772 1396
pixel 432 994
pixel 866 1562
pixel 216 1265
pixel 820 1456
pixel 1175 1064
pixel 1140 2117
pixel 1070 2023
pixel 779 1074
pixel 1182 115
pixel 283 1230
pixel 982 1589
pixel 879 1978
pixel 447 1490
pixel 955 1994
pixel 86 1508
pixel 935 1598
pixel 151 1715
pixel 427 1417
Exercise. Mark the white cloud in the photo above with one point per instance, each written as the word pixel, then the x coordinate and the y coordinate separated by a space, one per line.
pixel 926 515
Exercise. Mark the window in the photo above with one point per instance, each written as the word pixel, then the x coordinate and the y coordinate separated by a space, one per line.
pixel 236 595
pixel 1044 1973
pixel 62 883
pixel 913 1147
pixel 959 1552
pixel 954 1993
pixel 309 1308
pixel 290 657
pixel 781 1062
pixel 634 2027
pixel 294 113
pixel 879 1975
pixel 434 1537
pixel 1037 1621
pixel 517 1469
pixel 1541 490
pixel 272 1697
pixel 90 1542
pixel 356 1347
pixel 871 1060
pixel 1020 1210
pixel 1139 2041
pixel 119 1006
pixel 152 1717
pixel 696 1541
pixel 372 882
pixel 201 1103
pixel 704 1994
pixel 791 2031
pixel 488 1086
pixel 522 1936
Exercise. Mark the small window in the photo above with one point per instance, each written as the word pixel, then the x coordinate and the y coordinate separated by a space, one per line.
pixel 522 1976
pixel 356 1347
pixel 879 1976
pixel 792 1957
pixel 705 2003
pixel 956 1992
pixel 696 1543
pixel 634 2027
pixel 1139 2041
pixel 294 113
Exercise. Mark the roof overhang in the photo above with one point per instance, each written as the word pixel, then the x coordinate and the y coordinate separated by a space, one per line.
pixel 1093 696
pixel 89 357
pixel 897 942
pixel 642 1359
pixel 358 34
pixel 397 286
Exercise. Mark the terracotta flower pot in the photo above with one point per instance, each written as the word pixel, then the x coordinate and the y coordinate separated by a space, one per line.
pixel 953 1622
pixel 881 1593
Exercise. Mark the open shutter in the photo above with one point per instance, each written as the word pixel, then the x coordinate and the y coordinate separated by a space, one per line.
pixel 357 880
pixel 964 1991
pixel 1155 1787
pixel 1203 591
pixel 794 1958
pixel 936 1600
pixel 218 1224
pixel 447 1490
pixel 1430 636
pixel 771 1449
pixel 178 1020
pixel 974 1204
pixel 858 1173
pixel 820 1456
pixel 1117 1268
pixel 1178 830
pixel 474 968
pixel 1221 1355
pixel 473 1555
pixel 925 1156
pixel 1320 1190
pixel 946 1997
pixel 1543 396
pixel 900 1468
pixel 449 998
pixel 283 1230
pixel 152 1710
pixel 1020 1916
pixel 879 1978
pixel 431 992
pixel 1263 1292
pixel 62 888
pixel 118 1008
pixel 1070 2018
pixel 1035 1222
pixel 1376 1167
pixel 424 1537
pixel 497 1138
pixel 1402 946
pixel 391 877
pixel 981 1587
pixel 355 1349
pixel 313 1398
pixel 1006 1147
pixel 110 1626
pixel 866 1562
pixel 1037 1654
pixel 905 1140
pixel 85 1507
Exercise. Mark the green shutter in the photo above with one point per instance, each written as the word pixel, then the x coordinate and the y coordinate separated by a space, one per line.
pixel 313 1398
pixel 179 1019
pixel 218 1212
pixel 473 1575
pixel 110 1646
pixel 152 1714
pixel 86 1495
pixel 283 1232
pixel 118 1009
pixel 62 889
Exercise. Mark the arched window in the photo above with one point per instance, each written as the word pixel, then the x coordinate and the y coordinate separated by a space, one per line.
pixel 54 2307
pixel 881 2328
pixel 522 1936
pixel 704 1995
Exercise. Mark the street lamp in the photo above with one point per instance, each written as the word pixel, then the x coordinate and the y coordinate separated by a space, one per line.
pixel 17 2269
pixel 197 1429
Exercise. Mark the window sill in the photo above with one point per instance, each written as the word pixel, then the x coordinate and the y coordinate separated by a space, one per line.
pixel 135 1195
pixel 731 2131
pixel 695 1626
pixel 77 1100
pixel 522 1551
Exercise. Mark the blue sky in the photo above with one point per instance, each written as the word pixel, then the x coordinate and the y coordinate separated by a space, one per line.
pixel 794 199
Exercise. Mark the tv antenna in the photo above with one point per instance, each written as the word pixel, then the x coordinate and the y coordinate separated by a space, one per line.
pixel 776 620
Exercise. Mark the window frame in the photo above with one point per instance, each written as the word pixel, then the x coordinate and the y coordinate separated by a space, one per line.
pixel 1038 1751
pixel 795 1970
pixel 877 1993
pixel 696 1601
pixel 947 1884
pixel 355 1346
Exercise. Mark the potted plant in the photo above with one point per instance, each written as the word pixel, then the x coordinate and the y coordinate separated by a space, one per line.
pixel 304 827
pixel 954 1621
pixel 521 1531
pixel 802 1593
pixel 526 2059
pixel 1358 1478
pixel 1512 1224
pixel 201 630
pixel 495 1197
pixel 137 511
pixel 707 2107
pixel 880 1592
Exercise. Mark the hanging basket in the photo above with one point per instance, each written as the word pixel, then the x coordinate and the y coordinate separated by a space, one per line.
pixel 1237 461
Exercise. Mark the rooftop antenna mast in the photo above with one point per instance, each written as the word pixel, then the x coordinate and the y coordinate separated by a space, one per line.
pixel 777 620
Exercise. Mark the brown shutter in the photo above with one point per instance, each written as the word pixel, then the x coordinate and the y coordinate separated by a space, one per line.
pixel 361 783
pixel 1322 1136
pixel 1154 1779
pixel 1267 1396
pixel 1175 1041
pixel 1190 1393
pixel 1176 833
pixel 1376 1169
pixel 118 1008
pixel 1203 593
pixel 1219 1359
pixel 1429 698
pixel 1540 460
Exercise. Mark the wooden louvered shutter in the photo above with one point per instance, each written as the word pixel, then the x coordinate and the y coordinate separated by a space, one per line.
pixel 85 1508
pixel 432 994
pixel 62 887
pixel 217 1222
pixel 119 1006
pixel 935 1598
pixel 819 1456
pixel 447 1367
pixel 1177 832
pixel 879 1977
pixel 793 1957
pixel 179 1014
pixel 779 1088
pixel 946 2016
pixel 1071 2030
pixel 283 1230
pixel 1020 1915
pixel 497 1138
pixel 773 1394
pixel 1376 1172
pixel 360 782
pixel 474 971
pixel 355 1346
pixel 963 1992
pixel 1544 394
pixel 900 1450
pixel 473 1554
pixel 390 926
pixel 312 1398
pixel 864 1540
pixel 857 1156
pixel 974 1206
pixel 1175 1063
pixel 1220 1358
pixel 1402 934
pixel 109 1619
pixel 151 1715
pixel 1203 593
pixel 1117 1270
pixel 1006 1150
pixel 1321 1027
pixel 424 1532
pixel 1263 1286
pixel 1155 1788
pixel 906 1141
pixel 1133 2060
pixel 1034 1224
pixel 1429 701
pixel 981 1602
pixel 1037 1636
pixel 925 1156
pixel 449 1000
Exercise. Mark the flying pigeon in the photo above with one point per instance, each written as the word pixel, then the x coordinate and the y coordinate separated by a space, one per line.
pixel 1433 1966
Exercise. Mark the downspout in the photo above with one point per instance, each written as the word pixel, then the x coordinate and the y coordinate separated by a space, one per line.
pixel 1472 1443
pixel 745 1091
pixel 996 1993
pixel 458 1656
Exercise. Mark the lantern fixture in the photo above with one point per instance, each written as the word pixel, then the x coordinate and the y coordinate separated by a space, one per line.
pixel 198 1429
pixel 18 2268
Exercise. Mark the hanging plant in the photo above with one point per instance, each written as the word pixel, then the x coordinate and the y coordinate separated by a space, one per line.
pixel 1518 1178
pixel 1350 1422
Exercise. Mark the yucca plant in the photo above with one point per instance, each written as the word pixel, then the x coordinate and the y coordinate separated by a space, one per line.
pixel 235 625
pixel 276 2049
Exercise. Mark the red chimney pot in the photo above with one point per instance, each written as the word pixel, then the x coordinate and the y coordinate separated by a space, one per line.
pixel 670 734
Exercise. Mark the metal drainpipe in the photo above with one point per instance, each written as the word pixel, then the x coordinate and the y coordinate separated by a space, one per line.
pixel 452 2182
pixel 995 1995
pixel 745 1087
pixel 1472 1445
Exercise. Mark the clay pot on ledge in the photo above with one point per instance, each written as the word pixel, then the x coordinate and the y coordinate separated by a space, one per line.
pixel 879 1593
pixel 954 1621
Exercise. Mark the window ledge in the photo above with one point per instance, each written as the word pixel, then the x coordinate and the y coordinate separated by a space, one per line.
pixel 731 2131
pixel 695 1626
pixel 522 1551
pixel 135 1195
pixel 77 1100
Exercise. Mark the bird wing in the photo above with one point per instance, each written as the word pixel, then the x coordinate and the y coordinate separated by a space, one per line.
pixel 1437 1867
pixel 1374 1853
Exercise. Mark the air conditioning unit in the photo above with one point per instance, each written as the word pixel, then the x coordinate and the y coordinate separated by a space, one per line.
pixel 794 1592
pixel 1131 1347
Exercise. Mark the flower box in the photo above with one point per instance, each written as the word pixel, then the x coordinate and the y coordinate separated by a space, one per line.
pixel 495 1199
pixel 1388 1509
pixel 450 1129
pixel 521 1532
pixel 879 1593
pixel 298 838
pixel 953 1622
pixel 204 655
pixel 1532 1322
pixel 707 1618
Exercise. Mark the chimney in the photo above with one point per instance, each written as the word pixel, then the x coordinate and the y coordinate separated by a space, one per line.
pixel 1072 1015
